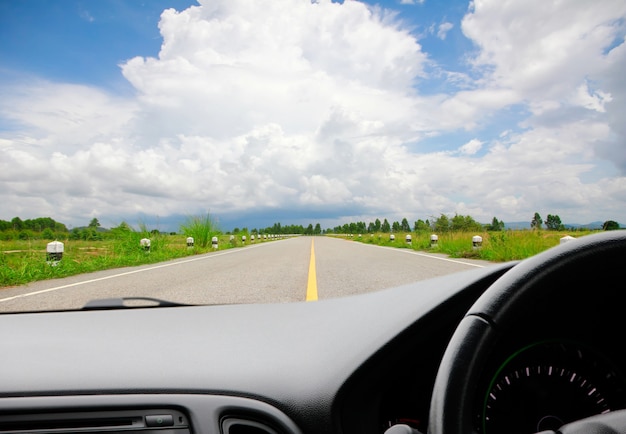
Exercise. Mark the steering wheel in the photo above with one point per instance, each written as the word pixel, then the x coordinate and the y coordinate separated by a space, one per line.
pixel 452 409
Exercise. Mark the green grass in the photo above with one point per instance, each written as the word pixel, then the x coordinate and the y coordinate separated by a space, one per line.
pixel 24 261
pixel 496 247
pixel 201 228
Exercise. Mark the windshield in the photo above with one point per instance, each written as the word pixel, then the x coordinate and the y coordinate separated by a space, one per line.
pixel 227 151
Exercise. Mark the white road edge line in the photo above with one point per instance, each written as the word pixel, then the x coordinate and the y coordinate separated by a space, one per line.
pixel 207 256
pixel 425 255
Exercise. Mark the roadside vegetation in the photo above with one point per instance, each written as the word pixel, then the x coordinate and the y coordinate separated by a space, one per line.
pixel 455 236
pixel 24 261
pixel 24 257
pixel 498 246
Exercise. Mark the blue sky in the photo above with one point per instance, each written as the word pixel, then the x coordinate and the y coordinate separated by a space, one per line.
pixel 80 41
pixel 301 112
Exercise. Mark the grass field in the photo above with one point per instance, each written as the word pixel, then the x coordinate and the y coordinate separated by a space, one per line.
pixel 496 246
pixel 23 261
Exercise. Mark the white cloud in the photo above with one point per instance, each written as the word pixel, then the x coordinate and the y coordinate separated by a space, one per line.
pixel 592 100
pixel 554 58
pixel 65 114
pixel 543 50
pixel 283 104
pixel 443 30
pixel 471 147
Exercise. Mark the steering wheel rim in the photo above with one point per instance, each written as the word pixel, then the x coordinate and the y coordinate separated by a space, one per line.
pixel 452 409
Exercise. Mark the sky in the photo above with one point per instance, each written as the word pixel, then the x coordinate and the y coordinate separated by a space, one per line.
pixel 300 111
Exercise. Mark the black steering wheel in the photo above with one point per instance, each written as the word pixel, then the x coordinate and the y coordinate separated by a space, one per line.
pixel 452 409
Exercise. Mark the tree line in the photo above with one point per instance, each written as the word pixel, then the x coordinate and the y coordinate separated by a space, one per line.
pixel 37 225
pixel 457 223
pixel 48 228
pixel 280 229
pixel 443 223
pixel 45 227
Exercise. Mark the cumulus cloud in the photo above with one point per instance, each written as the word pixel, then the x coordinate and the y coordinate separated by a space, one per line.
pixel 65 114
pixel 306 105
pixel 530 44
pixel 555 58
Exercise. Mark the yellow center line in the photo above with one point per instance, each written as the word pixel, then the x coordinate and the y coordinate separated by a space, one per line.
pixel 311 288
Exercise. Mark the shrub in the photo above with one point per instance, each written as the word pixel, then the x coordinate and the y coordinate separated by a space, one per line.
pixel 201 228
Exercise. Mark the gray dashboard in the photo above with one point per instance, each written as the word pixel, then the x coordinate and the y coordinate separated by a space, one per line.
pixel 288 367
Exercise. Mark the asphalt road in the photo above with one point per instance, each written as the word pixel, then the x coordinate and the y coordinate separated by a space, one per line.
pixel 271 272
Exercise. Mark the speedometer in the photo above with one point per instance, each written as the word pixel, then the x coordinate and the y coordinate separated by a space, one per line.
pixel 548 384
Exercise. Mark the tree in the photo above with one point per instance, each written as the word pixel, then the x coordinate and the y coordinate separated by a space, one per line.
pixel 536 222
pixel 395 226
pixel 39 224
pixel 90 234
pixel 404 225
pixel 360 228
pixel 17 223
pixel 385 227
pixel 421 225
pixel 318 229
pixel 553 223
pixel 463 223
pixel 75 234
pixel 94 223
pixel 610 225
pixel 59 227
pixel 442 224
pixel 47 234
pixel 496 225
pixel 5 225
pixel 457 223
pixel 377 225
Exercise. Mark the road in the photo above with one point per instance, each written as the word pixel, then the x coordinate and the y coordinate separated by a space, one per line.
pixel 290 270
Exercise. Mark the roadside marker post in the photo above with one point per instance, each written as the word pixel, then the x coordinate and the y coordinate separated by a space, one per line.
pixel 54 252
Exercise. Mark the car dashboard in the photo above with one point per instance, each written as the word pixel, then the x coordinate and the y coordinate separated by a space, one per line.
pixel 564 350
pixel 359 364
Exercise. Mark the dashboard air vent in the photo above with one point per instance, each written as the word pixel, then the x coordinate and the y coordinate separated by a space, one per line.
pixel 243 426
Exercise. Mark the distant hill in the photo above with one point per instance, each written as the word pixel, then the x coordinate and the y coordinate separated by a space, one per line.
pixel 592 225
pixel 526 225
pixel 516 225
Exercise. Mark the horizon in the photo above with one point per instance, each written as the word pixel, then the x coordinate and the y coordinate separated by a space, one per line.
pixel 169 228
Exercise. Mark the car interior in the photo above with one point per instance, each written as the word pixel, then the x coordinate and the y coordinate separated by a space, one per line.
pixel 521 347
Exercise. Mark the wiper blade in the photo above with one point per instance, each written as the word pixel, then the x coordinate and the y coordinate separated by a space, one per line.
pixel 120 303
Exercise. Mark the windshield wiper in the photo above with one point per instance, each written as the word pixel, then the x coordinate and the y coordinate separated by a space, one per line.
pixel 120 303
